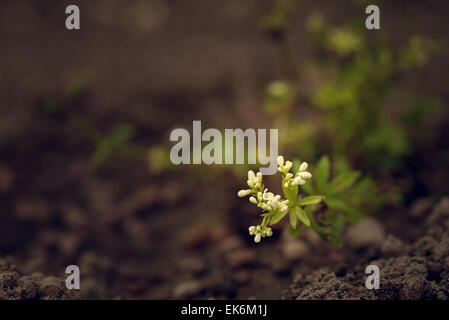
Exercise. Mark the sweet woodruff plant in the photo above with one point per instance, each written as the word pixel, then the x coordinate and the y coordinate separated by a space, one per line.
pixel 276 207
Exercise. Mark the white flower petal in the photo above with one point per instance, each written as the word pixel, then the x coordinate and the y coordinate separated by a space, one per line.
pixel 303 166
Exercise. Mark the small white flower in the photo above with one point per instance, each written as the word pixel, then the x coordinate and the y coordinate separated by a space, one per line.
pixel 251 175
pixel 284 209
pixel 288 166
pixel 252 230
pixel 296 181
pixel 289 176
pixel 243 193
pixel 257 237
pixel 303 166
pixel 267 195
pixel 280 160
pixel 253 200
pixel 284 203
pixel 305 175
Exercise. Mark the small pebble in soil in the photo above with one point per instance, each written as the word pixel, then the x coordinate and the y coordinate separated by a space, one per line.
pixel 193 265
pixel 367 233
pixel 188 289
pixel 242 277
pixel 294 250
pixel 240 258
pixel 392 247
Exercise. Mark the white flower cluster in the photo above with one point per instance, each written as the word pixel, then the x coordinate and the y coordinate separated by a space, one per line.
pixel 260 232
pixel 265 200
pixel 289 179
pixel 271 204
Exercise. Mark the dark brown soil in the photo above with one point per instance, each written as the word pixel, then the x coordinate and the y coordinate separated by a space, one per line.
pixel 159 65
pixel 421 272
pixel 14 285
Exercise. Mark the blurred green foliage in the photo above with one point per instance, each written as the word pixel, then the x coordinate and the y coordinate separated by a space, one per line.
pixel 360 80
pixel 348 197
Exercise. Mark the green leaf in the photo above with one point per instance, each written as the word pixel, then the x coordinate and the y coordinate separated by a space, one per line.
pixel 278 216
pixel 337 227
pixel 301 215
pixel 310 200
pixel 353 214
pixel 322 173
pixel 293 220
pixel 308 188
pixel 315 226
pixel 344 180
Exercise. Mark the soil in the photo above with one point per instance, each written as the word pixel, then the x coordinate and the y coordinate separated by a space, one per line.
pixel 420 272
pixel 17 286
pixel 137 234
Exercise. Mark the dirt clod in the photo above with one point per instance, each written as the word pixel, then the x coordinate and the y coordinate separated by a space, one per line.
pixel 420 272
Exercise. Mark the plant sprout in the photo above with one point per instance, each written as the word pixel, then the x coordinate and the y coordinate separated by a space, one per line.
pixel 274 207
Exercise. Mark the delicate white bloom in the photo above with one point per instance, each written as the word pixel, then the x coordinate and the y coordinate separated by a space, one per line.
pixel 252 230
pixel 296 181
pixel 280 160
pixel 303 166
pixel 268 201
pixel 267 195
pixel 243 193
pixel 305 175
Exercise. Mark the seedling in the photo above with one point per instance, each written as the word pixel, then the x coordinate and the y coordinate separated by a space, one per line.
pixel 274 207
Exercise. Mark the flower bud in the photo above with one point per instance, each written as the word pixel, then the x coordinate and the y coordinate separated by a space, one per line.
pixel 280 160
pixel 288 166
pixel 257 238
pixel 251 175
pixel 243 193
pixel 296 181
pixel 303 166
pixel 305 175
pixel 253 200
